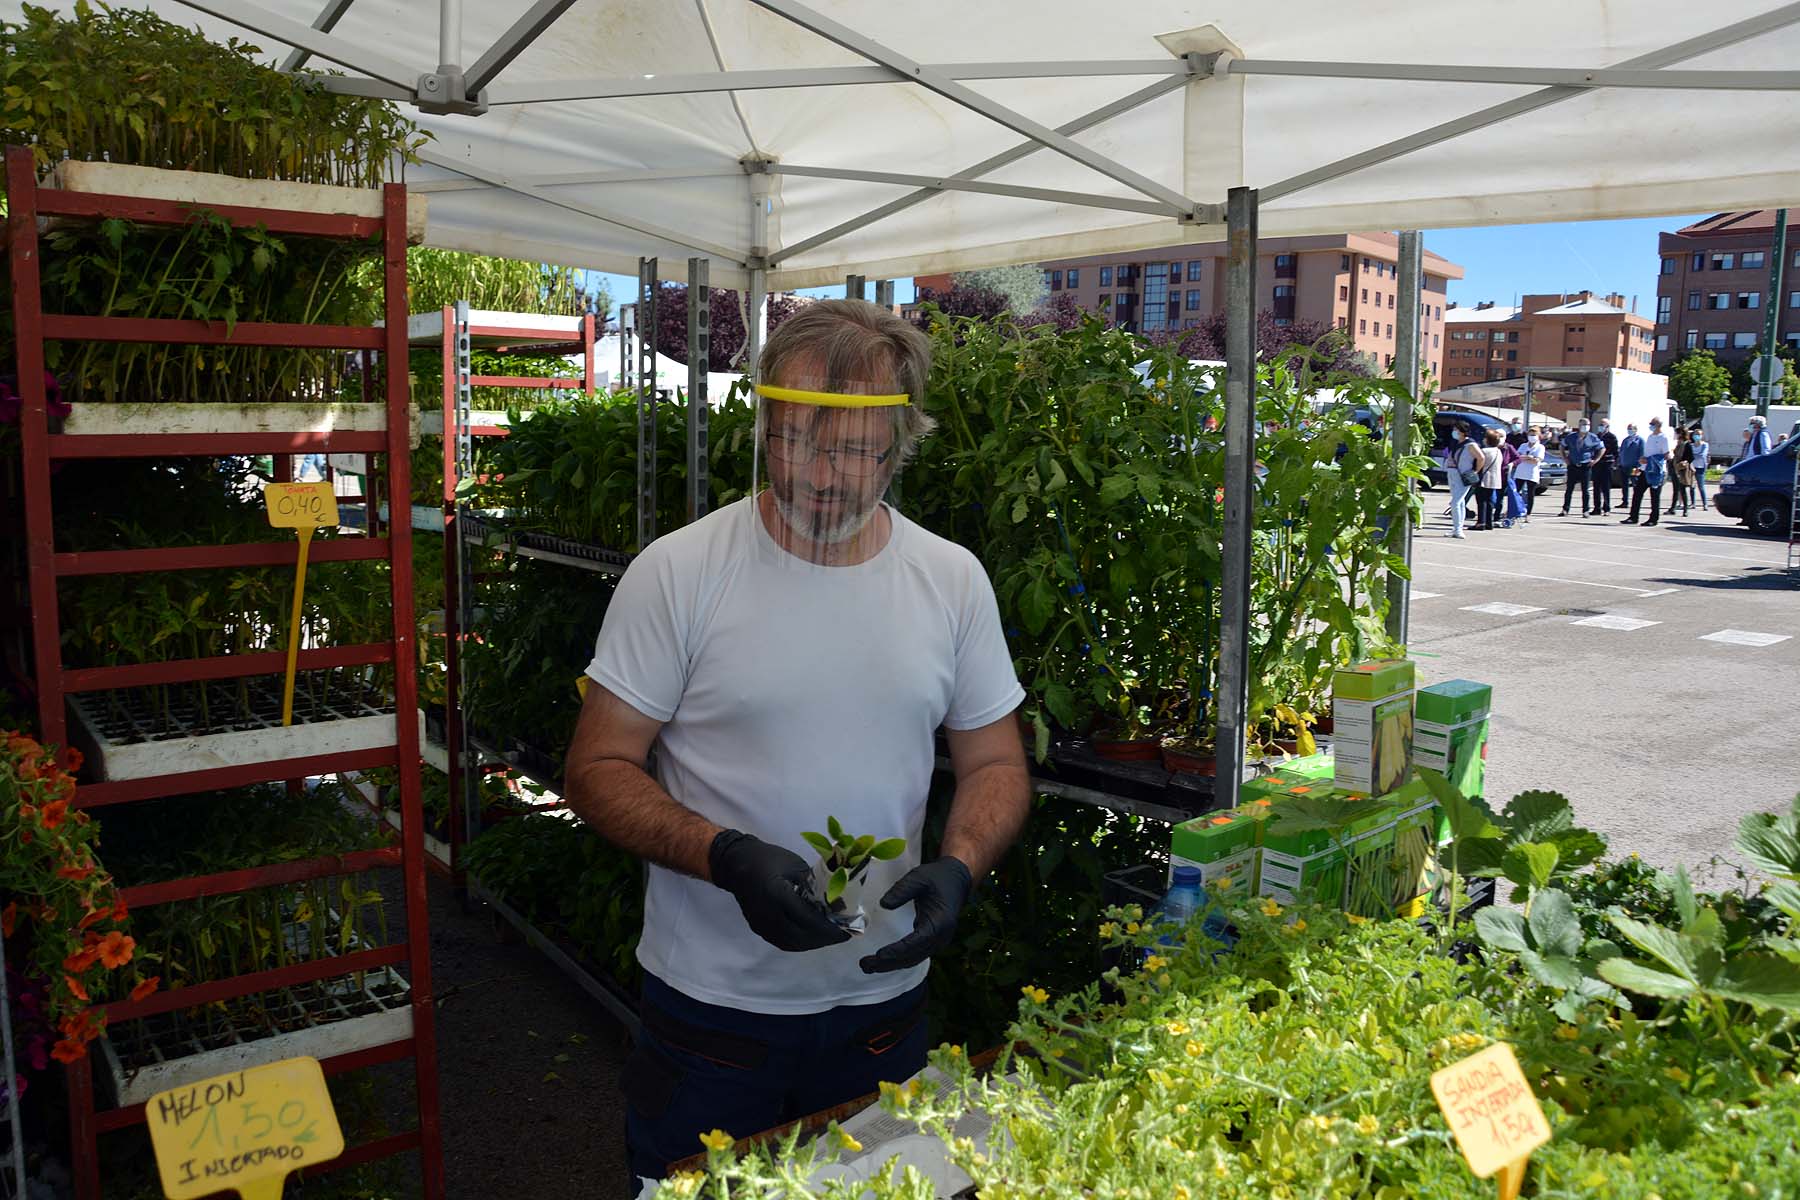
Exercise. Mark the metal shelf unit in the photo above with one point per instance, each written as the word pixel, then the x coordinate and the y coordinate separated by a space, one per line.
pixel 59 690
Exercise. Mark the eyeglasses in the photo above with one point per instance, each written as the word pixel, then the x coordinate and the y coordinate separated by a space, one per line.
pixel 792 451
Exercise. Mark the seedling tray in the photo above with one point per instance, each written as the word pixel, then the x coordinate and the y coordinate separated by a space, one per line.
pixel 580 555
pixel 130 733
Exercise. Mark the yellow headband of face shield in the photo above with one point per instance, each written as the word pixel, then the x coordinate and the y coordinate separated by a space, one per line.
pixel 830 399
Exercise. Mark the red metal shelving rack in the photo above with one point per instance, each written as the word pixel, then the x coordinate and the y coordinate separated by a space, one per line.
pixel 40 448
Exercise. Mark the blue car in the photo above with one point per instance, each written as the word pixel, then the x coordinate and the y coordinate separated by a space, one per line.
pixel 1760 490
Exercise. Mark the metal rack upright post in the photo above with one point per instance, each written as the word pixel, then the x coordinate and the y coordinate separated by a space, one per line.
pixel 263 755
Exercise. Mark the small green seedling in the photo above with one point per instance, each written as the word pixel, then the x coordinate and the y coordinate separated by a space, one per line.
pixel 846 857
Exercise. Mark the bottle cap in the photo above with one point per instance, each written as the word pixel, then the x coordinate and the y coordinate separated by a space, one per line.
pixel 1187 875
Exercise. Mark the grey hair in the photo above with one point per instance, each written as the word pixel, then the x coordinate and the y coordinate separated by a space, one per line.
pixel 845 345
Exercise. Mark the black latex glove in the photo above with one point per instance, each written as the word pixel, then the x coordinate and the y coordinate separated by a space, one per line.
pixel 773 888
pixel 938 890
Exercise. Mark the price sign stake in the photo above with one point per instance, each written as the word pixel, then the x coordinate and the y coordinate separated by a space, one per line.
pixel 1493 1113
pixel 245 1130
pixel 302 507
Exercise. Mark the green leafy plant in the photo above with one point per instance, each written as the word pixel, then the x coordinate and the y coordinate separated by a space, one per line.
pixel 1531 843
pixel 845 857
pixel 1550 946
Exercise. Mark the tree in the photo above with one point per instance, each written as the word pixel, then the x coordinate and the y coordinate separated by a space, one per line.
pixel 1062 311
pixel 966 301
pixel 1021 287
pixel 1206 340
pixel 1742 385
pixel 1697 379
pixel 727 331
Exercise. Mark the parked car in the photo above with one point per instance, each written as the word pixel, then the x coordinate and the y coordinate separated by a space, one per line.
pixel 1759 491
pixel 1554 470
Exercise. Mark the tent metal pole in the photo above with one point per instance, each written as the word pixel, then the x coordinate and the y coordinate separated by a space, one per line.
pixel 1730 35
pixel 758 331
pixel 1099 116
pixel 450 35
pixel 699 444
pixel 1576 77
pixel 802 77
pixel 561 179
pixel 1408 327
pixel 322 45
pixel 646 402
pixel 1526 402
pixel 756 320
pixel 939 183
pixel 855 287
pixel 950 89
pixel 325 22
pixel 884 293
pixel 1240 478
pixel 627 319
pixel 513 42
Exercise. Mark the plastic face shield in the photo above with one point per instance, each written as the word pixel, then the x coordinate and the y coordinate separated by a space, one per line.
pixel 826 452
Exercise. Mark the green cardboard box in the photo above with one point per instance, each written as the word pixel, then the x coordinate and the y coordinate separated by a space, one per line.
pixel 1332 865
pixel 1376 679
pixel 1223 845
pixel 1371 709
pixel 1452 702
pixel 1312 771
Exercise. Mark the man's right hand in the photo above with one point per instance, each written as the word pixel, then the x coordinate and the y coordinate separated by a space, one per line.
pixel 772 886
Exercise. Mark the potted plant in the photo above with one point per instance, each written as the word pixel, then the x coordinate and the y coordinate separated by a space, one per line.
pixel 843 861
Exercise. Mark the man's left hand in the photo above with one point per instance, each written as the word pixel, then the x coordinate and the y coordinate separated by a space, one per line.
pixel 938 890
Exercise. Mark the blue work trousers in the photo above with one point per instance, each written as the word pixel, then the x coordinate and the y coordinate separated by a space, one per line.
pixel 698 1067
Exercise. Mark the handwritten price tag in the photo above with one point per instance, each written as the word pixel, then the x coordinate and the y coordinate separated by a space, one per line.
pixel 1491 1110
pixel 300 505
pixel 245 1130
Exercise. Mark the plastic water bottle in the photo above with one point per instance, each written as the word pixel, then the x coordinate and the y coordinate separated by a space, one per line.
pixel 1183 898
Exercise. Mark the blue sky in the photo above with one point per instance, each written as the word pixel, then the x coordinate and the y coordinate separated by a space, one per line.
pixel 1500 263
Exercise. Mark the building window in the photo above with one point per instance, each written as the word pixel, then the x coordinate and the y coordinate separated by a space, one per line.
pixel 1499 335
pixel 1668 266
pixel 1105 276
pixel 1665 306
pixel 1284 265
pixel 1343 262
pixel 1341 322
pixel 1743 341
pixel 1284 291
pixel 1662 341
pixel 1362 326
pixel 1283 322
pixel 1156 296
pixel 1691 339
pixel 1693 301
pixel 1194 271
pixel 1437 312
pixel 1749 299
pixel 1104 304
pixel 1698 262
pixel 1718 300
pixel 1752 259
pixel 1365 264
pixel 1074 277
pixel 1512 356
pixel 1390 331
pixel 1723 261
pixel 1056 281
pixel 1434 341
pixel 1715 341
pixel 1344 291
pixel 1193 300
pixel 1390 299
pixel 1365 295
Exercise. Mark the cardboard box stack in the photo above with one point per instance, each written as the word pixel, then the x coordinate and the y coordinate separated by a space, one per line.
pixel 1222 845
pixel 1372 711
pixel 1450 732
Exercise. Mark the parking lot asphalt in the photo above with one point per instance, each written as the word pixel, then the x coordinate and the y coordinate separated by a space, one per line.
pixel 1652 675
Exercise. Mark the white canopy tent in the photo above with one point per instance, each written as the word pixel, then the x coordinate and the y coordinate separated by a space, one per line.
pixel 793 143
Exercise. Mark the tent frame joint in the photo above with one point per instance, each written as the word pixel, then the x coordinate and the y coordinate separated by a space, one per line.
pixel 446 91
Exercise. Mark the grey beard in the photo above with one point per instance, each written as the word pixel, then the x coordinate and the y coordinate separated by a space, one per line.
pixel 834 534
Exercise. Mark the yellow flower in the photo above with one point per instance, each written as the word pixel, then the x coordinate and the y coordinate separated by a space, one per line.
pixel 1178 1028
pixel 955 1051
pixel 1180 1193
pixel 1221 1170
pixel 1134 912
pixel 1299 926
pixel 1109 929
pixel 1131 927
pixel 1155 962
pixel 1677 1074
pixel 718 1139
pixel 1194 1049
pixel 1567 1033
pixel 849 1143
pixel 1356 920
pixel 1367 1125
pixel 1036 995
pixel 1467 1041
pixel 1270 908
pixel 683 1185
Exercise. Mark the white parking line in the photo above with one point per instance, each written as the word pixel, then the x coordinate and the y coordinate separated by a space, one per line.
pixel 1600 562
pixel 1662 592
pixel 1551 535
pixel 1418 595
pixel 1612 587
pixel 1501 609
pixel 1609 621
pixel 1744 637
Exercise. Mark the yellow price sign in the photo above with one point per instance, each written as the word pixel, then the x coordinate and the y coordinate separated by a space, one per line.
pixel 1493 1113
pixel 300 505
pixel 245 1130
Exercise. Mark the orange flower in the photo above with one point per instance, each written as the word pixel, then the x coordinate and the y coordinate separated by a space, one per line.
pixel 26 811
pixel 68 1051
pixel 24 837
pixel 76 873
pixel 28 769
pixel 94 917
pixel 69 759
pixel 75 988
pixel 79 1026
pixel 146 987
pixel 115 949
pixel 9 919
pixel 81 960
pixel 119 912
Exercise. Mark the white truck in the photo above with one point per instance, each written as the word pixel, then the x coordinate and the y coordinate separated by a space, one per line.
pixel 1631 398
pixel 1724 426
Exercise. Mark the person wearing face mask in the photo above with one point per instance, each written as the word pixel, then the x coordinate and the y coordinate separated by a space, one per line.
pixel 1650 475
pixel 1582 448
pixel 1603 468
pixel 1631 453
pixel 1515 437
pixel 1526 470
pixel 1464 473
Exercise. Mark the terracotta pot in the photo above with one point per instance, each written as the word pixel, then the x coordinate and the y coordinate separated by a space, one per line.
pixel 1321 725
pixel 1287 747
pixel 1189 761
pixel 1133 750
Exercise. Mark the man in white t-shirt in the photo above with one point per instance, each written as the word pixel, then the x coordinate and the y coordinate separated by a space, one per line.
pixel 790 658
pixel 1651 471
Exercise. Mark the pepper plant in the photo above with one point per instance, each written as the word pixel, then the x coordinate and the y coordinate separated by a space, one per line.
pixel 845 857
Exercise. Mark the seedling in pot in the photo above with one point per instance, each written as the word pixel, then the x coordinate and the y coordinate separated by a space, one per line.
pixel 843 860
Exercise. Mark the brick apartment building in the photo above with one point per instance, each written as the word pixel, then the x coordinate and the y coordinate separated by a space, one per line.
pixel 1346 281
pixel 1714 282
pixel 1490 342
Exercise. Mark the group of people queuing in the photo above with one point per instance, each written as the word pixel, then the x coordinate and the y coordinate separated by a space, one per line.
pixel 1501 471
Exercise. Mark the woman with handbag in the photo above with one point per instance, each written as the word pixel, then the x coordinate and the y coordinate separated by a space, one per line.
pixel 1492 468
pixel 1463 472
pixel 1683 493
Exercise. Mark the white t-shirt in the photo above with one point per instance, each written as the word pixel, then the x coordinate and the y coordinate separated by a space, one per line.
pixel 1530 458
pixel 1656 446
pixel 789 693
